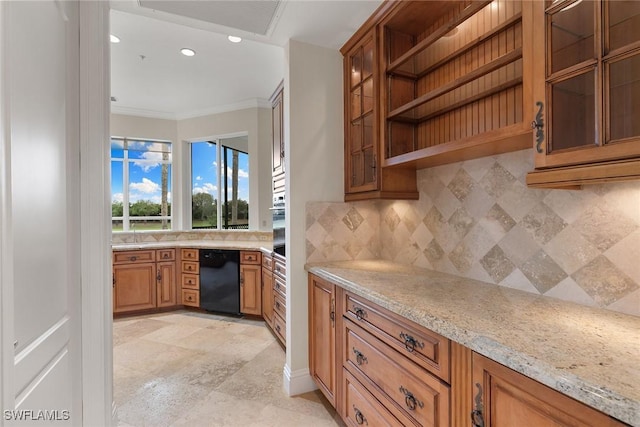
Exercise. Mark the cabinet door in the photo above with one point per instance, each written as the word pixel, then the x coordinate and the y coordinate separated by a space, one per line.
pixel 277 123
pixel 587 92
pixel 322 336
pixel 267 296
pixel 250 290
pixel 134 287
pixel 361 160
pixel 504 397
pixel 166 283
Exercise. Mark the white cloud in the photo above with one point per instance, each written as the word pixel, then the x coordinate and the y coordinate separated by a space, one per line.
pixel 206 188
pixel 150 159
pixel 146 186
pixel 199 178
pixel 241 173
pixel 117 197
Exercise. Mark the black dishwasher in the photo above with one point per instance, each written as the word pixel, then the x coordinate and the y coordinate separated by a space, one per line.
pixel 220 280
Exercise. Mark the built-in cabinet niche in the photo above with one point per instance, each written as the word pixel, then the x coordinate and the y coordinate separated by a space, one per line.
pixel 458 80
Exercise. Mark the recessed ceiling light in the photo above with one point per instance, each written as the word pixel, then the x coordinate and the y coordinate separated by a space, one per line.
pixel 187 52
pixel 234 39
pixel 114 39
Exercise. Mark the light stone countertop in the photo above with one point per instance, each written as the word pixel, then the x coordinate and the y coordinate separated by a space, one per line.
pixel 590 354
pixel 199 244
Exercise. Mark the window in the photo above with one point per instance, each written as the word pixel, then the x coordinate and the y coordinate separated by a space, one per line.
pixel 207 172
pixel 140 184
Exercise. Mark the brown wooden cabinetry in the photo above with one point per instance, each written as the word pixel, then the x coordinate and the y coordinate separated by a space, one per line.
pixel 378 368
pixel 322 336
pixel 364 177
pixel 277 126
pixel 144 280
pixel 280 297
pixel 274 294
pixel 404 366
pixel 190 277
pixel 587 92
pixel 504 397
pixel 267 289
pixel 452 80
pixel 250 283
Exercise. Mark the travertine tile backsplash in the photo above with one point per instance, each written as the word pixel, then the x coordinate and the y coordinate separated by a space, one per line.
pixel 478 219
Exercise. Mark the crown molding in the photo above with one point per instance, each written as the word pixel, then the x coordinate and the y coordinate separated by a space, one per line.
pixel 167 115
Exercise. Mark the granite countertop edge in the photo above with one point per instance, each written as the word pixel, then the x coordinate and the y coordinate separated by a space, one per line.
pixel 204 244
pixel 600 396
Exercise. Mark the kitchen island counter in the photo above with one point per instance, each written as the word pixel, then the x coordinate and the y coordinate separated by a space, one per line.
pixel 590 354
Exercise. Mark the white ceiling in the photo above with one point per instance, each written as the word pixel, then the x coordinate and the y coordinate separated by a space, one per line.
pixel 149 76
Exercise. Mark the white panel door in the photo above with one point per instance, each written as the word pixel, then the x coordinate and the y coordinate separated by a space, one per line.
pixel 41 137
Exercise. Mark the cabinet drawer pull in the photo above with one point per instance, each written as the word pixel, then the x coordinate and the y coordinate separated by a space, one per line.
pixel 477 420
pixel 277 286
pixel 278 328
pixel 410 342
pixel 165 256
pixel 277 305
pixel 360 358
pixel 410 400
pixel 360 313
pixel 360 419
pixel 133 258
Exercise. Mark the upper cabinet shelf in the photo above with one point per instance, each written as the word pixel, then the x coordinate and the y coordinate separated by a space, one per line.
pixel 457 80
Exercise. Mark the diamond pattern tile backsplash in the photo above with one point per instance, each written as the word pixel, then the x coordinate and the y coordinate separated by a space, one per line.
pixel 478 219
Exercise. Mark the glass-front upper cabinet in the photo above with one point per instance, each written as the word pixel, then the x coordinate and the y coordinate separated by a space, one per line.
pixel 361 158
pixel 588 109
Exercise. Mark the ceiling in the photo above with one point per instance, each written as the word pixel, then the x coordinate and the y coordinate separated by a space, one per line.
pixel 149 76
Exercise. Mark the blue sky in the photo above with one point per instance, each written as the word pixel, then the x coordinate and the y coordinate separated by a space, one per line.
pixel 204 175
pixel 145 171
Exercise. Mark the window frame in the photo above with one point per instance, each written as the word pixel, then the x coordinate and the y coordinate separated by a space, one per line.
pixel 220 176
pixel 126 161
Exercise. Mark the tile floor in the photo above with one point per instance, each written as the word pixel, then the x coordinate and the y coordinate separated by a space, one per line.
pixel 194 369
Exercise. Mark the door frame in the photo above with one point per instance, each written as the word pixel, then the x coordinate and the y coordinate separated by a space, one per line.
pixel 95 232
pixel 95 220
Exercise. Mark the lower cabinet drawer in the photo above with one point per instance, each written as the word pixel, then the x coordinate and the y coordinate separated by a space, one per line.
pixel 191 297
pixel 279 305
pixel 279 326
pixel 402 383
pixel 361 408
pixel 191 281
pixel 279 285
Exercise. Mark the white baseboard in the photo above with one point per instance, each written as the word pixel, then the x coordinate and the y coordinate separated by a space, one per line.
pixel 297 382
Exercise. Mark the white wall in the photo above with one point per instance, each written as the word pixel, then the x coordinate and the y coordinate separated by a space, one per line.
pixel 314 162
pixel 143 127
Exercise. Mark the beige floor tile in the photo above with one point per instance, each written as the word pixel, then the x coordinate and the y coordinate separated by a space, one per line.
pixel 197 369
pixel 124 330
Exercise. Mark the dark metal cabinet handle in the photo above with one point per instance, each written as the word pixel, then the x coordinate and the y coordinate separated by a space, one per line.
pixel 360 419
pixel 538 126
pixel 410 400
pixel 477 419
pixel 241 279
pixel 159 276
pixel 360 358
pixel 133 258
pixel 165 256
pixel 410 343
pixel 278 328
pixel 277 305
pixel 360 313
